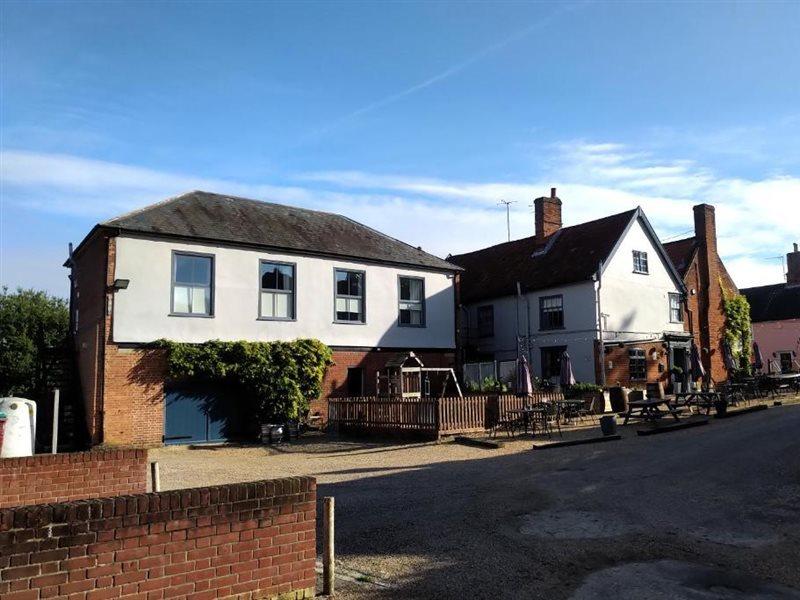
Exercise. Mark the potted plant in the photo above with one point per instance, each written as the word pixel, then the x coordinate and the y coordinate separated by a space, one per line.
pixel 677 379
pixel 721 406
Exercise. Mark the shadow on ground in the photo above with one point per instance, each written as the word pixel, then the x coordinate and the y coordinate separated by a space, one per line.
pixel 721 499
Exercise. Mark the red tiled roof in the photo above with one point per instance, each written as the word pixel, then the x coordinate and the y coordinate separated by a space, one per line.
pixel 681 252
pixel 574 256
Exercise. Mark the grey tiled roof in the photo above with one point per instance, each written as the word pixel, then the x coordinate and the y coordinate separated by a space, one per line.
pixel 219 218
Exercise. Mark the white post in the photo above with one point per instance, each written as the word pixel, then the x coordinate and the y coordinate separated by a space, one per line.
pixel 56 398
pixel 155 477
pixel 328 566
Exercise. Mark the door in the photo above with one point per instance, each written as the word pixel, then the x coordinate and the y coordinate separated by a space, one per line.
pixel 196 414
pixel 355 382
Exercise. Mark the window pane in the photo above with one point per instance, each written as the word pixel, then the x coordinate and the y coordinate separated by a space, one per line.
pixel 354 306
pixel 277 277
pixel 267 304
pixel 192 269
pixel 341 305
pixel 416 317
pixel 180 299
pixel 405 291
pixel 342 286
pixel 282 305
pixel 405 317
pixel 200 300
pixel 355 284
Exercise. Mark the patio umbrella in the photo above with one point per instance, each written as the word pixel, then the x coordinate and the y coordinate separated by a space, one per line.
pixel 698 372
pixel 758 360
pixel 727 356
pixel 567 377
pixel 524 385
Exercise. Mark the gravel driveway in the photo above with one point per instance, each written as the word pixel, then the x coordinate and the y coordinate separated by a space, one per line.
pixel 711 512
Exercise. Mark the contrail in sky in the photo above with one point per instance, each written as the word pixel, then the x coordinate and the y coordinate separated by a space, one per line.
pixel 449 72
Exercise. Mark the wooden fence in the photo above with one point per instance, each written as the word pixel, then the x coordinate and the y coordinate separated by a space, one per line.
pixel 428 417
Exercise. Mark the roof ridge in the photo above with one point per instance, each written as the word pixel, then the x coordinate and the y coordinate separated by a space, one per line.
pixel 531 237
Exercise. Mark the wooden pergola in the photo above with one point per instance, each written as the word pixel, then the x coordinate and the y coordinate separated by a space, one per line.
pixel 405 376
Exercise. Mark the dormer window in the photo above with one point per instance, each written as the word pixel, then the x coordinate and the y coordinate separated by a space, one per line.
pixel 640 262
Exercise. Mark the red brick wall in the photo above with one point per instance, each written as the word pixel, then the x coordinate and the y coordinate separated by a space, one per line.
pixel 89 298
pixel 335 382
pixel 708 275
pixel 123 388
pixel 246 540
pixel 619 373
pixel 46 478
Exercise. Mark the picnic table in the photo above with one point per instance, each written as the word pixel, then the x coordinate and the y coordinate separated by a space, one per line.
pixel 650 409
pixel 697 398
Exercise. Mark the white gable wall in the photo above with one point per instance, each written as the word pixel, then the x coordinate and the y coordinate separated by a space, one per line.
pixel 142 312
pixel 636 304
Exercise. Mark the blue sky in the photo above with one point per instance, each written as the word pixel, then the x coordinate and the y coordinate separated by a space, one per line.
pixel 415 118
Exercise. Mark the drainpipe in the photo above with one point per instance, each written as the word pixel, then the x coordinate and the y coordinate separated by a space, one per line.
pixel 602 349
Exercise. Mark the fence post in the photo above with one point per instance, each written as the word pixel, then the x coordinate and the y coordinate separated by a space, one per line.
pixel 56 399
pixel 328 562
pixel 155 477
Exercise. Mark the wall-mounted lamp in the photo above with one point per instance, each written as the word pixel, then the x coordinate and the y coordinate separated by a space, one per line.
pixel 654 355
pixel 120 284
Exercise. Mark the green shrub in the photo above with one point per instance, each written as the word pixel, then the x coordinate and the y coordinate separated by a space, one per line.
pixel 579 390
pixel 280 378
pixel 489 384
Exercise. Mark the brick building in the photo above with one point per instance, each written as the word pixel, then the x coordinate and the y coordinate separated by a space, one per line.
pixel 705 276
pixel 204 266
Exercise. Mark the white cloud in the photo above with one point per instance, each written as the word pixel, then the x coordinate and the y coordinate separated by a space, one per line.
pixel 756 219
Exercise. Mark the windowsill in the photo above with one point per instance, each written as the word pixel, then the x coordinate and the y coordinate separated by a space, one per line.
pixel 190 315
pixel 349 322
pixel 552 328
pixel 676 322
pixel 288 319
pixel 641 272
pixel 411 326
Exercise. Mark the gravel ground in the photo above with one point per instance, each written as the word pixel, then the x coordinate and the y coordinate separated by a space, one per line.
pixel 710 512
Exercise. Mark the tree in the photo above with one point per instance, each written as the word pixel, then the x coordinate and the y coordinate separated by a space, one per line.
pixel 31 324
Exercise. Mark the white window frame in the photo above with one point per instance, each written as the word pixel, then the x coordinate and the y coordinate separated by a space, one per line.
pixel 641 264
pixel 677 298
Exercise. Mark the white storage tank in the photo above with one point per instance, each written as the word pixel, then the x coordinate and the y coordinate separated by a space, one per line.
pixel 20 430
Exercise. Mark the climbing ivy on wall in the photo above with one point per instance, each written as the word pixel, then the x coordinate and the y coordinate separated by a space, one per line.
pixel 738 330
pixel 278 377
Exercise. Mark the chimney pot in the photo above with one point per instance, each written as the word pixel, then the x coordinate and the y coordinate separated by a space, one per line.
pixel 793 266
pixel 553 195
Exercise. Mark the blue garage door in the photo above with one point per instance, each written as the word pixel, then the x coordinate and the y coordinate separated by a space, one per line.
pixel 199 414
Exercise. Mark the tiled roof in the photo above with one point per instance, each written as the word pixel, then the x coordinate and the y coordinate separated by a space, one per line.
pixel 776 302
pixel 681 252
pixel 219 218
pixel 573 255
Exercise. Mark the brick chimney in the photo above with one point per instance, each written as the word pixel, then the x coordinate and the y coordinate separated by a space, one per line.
pixel 710 318
pixel 547 214
pixel 793 267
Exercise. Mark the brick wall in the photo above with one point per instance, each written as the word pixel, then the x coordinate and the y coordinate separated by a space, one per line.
pixel 48 478
pixel 88 302
pixel 335 382
pixel 247 540
pixel 619 373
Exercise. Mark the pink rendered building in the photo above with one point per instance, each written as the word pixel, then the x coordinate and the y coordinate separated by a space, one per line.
pixel 775 312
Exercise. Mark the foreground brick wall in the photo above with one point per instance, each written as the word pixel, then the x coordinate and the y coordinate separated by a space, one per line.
pixel 248 540
pixel 49 478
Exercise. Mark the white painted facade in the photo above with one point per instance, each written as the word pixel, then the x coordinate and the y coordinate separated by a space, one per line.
pixel 634 307
pixel 141 313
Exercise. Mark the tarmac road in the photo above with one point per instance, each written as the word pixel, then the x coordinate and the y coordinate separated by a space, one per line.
pixel 704 513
